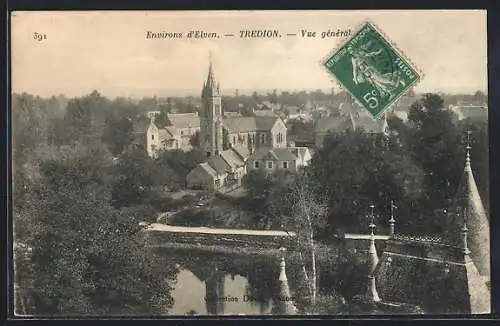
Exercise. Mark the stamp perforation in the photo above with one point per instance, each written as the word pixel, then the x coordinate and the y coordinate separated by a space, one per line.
pixel 394 47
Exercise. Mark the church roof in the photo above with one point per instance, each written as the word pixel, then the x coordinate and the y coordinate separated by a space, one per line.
pixel 468 202
pixel 249 124
pixel 184 120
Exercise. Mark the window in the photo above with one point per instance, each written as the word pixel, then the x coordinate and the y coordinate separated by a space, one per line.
pixel 234 140
pixel 262 138
pixel 152 137
pixel 182 133
pixel 270 164
pixel 285 165
pixel 256 164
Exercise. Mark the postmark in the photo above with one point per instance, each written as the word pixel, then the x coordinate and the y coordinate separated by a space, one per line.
pixel 371 70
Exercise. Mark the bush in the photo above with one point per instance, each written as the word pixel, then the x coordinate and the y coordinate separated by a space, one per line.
pixel 191 217
pixel 162 204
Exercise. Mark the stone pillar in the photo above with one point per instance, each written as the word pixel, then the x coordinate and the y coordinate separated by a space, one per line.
pixel 284 304
pixel 392 221
pixel 371 293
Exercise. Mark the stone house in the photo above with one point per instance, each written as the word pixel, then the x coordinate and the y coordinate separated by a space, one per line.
pixel 285 159
pixel 174 133
pixel 218 172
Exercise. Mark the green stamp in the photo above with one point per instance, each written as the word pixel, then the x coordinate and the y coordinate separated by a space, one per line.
pixel 371 70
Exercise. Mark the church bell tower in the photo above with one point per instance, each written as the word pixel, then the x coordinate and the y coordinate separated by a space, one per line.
pixel 211 115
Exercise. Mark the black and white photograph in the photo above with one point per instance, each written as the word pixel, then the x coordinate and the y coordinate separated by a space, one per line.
pixel 250 163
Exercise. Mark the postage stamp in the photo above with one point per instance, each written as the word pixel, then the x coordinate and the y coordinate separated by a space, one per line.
pixel 371 70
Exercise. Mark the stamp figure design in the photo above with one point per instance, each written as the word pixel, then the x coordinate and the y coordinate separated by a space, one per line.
pixel 371 70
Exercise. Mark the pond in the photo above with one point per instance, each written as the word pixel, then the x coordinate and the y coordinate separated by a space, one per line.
pixel 222 284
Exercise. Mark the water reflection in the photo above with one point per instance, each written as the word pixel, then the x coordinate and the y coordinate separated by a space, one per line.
pixel 210 284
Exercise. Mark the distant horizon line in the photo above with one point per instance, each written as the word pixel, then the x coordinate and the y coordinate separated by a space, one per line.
pixel 228 92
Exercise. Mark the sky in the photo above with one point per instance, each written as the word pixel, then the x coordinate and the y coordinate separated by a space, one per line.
pixel 109 51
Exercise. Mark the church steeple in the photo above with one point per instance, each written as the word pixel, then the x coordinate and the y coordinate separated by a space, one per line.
pixel 210 88
pixel 211 136
pixel 468 201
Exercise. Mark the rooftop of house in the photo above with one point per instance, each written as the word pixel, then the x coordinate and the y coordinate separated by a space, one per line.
pixel 293 110
pixel 232 114
pixel 205 166
pixel 332 124
pixel 474 112
pixel 367 123
pixel 264 113
pixel 184 120
pixel 242 151
pixel 232 158
pixel 218 164
pixel 278 154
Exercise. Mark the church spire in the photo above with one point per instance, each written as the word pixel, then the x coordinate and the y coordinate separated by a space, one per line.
pixel 210 88
pixel 468 201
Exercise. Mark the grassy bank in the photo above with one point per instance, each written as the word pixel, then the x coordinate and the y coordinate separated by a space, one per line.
pixel 323 252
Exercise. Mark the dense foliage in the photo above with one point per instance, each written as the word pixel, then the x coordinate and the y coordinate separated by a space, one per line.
pixel 418 166
pixel 82 183
pixel 82 254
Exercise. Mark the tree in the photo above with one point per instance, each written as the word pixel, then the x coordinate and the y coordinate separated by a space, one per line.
pixel 436 146
pixel 194 141
pixel 300 130
pixel 297 202
pixel 136 176
pixel 96 252
pixel 85 117
pixel 182 162
pixel 356 169
pixel 118 133
pixel 30 124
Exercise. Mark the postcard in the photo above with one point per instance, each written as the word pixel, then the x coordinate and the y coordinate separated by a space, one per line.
pixel 197 163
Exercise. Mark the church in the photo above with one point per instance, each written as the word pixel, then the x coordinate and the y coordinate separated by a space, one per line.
pixel 235 145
